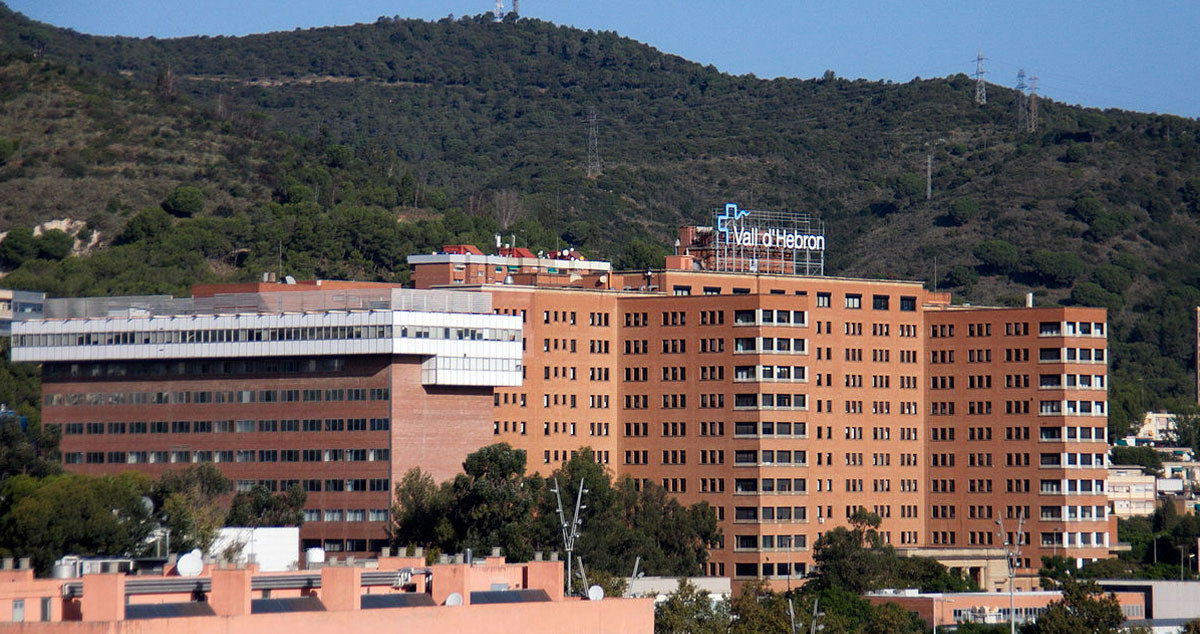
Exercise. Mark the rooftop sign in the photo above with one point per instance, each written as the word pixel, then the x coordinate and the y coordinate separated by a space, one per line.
pixel 768 241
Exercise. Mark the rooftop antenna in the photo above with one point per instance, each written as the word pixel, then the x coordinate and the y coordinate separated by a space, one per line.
pixel 980 85
pixel 570 531
pixel 499 10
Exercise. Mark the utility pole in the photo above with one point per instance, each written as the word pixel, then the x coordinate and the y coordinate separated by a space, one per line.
pixel 1033 104
pixel 593 148
pixel 1022 112
pixel 570 531
pixel 980 85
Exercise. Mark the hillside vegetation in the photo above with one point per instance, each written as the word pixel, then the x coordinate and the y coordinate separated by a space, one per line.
pixel 352 146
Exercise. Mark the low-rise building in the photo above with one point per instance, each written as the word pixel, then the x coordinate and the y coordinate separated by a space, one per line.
pixel 1131 492
pixel 391 594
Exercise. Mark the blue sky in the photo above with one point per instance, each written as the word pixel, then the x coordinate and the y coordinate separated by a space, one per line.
pixel 1102 53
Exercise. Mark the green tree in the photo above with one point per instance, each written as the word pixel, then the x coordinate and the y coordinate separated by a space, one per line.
pixel 261 507
pixel 1112 278
pixel 192 504
pixel 1192 627
pixel 54 244
pixel 689 610
pixel 27 448
pixel 1145 457
pixel 962 211
pixel 997 256
pixel 74 514
pixel 18 245
pixel 1089 294
pixel 961 276
pixel 148 223
pixel 420 513
pixel 1056 268
pixel 1083 608
pixel 493 502
pixel 184 201
pixel 8 147
pixel 757 610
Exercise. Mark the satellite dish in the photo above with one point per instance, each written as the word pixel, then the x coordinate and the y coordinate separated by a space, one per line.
pixel 454 599
pixel 191 564
pixel 595 593
pixel 288 279
pixel 147 504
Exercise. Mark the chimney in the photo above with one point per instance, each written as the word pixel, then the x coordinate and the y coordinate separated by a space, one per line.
pixel 1028 300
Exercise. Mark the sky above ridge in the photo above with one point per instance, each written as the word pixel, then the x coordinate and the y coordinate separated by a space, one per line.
pixel 1099 53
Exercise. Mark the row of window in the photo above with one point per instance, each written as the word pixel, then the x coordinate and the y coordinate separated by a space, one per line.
pixel 217 397
pixel 228 426
pixel 226 456
pixel 256 335
pixel 346 515
pixel 222 368
pixel 853 301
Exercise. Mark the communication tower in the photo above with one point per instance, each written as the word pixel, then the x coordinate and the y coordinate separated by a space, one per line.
pixel 499 10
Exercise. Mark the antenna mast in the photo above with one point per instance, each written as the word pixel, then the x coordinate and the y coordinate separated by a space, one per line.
pixel 593 155
pixel 499 10
pixel 980 85
pixel 570 531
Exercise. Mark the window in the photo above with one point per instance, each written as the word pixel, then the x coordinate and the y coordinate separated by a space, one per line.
pixel 853 301
pixel 823 300
pixel 879 302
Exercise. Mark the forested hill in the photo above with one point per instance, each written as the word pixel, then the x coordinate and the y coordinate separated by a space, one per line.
pixel 475 126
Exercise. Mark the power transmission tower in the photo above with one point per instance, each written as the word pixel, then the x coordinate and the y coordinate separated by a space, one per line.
pixel 980 85
pixel 1033 104
pixel 1022 112
pixel 593 153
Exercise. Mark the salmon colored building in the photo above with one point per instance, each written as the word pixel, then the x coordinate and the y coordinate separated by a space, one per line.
pixel 739 374
pixel 390 594
pixel 790 401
